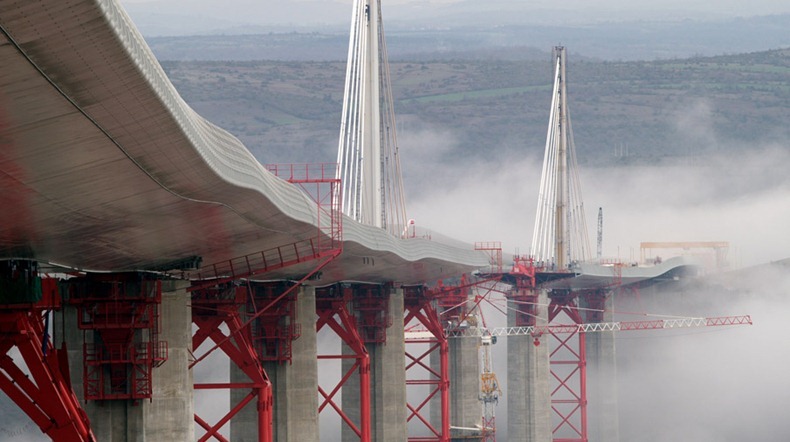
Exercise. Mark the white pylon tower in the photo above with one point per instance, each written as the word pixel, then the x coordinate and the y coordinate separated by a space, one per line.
pixel 560 235
pixel 367 157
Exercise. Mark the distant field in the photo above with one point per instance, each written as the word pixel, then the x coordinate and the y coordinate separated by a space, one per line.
pixel 623 112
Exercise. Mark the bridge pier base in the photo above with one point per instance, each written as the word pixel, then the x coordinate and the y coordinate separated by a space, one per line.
pixel 387 373
pixel 528 396
pixel 603 419
pixel 388 377
pixel 464 370
pixel 168 415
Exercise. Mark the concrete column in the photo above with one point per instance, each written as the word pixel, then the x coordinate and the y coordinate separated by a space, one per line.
pixel 170 413
pixel 349 401
pixel 602 412
pixel 388 378
pixel 296 399
pixel 528 394
pixel 295 385
pixel 465 406
pixel 387 382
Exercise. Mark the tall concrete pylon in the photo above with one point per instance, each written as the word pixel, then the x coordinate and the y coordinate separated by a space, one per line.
pixel 368 160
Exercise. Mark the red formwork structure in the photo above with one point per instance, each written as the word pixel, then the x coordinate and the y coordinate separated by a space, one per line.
pixel 41 387
pixel 119 316
pixel 274 331
pixel 523 292
pixel 371 309
pixel 260 318
pixel 421 313
pixel 332 308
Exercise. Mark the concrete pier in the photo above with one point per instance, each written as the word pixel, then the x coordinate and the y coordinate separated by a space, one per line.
pixel 528 394
pixel 465 405
pixel 388 378
pixel 295 386
pixel 387 382
pixel 169 416
pixel 602 411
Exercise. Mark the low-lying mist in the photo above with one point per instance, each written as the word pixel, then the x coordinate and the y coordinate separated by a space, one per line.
pixel 708 384
pixel 717 197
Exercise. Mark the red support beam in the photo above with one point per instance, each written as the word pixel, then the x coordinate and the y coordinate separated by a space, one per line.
pixel 222 305
pixel 332 309
pixel 568 368
pixel 421 313
pixel 40 387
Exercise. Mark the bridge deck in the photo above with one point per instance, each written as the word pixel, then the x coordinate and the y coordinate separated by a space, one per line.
pixel 103 166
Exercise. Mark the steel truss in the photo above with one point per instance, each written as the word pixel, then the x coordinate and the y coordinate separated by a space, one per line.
pixel 421 312
pixel 568 368
pixel 218 306
pixel 42 387
pixel 332 309
pixel 119 316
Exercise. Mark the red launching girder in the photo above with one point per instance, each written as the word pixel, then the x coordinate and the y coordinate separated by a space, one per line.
pixel 41 388
pixel 332 310
pixel 119 316
pixel 212 308
pixel 421 313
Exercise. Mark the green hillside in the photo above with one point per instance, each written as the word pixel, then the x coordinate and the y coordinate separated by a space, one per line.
pixel 622 112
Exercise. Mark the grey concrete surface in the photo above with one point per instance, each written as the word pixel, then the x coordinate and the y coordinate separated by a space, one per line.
pixel 528 394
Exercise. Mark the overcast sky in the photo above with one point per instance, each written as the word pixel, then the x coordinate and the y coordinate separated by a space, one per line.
pixel 311 12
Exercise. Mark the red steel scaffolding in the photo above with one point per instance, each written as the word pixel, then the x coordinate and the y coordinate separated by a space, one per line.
pixel 41 387
pixel 421 313
pixel 221 305
pixel 119 316
pixel 260 317
pixel 332 308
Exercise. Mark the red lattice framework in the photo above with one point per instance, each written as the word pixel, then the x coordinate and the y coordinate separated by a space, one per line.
pixel 41 387
pixel 212 308
pixel 119 316
pixel 421 313
pixel 568 368
pixel 494 251
pixel 261 318
pixel 332 309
